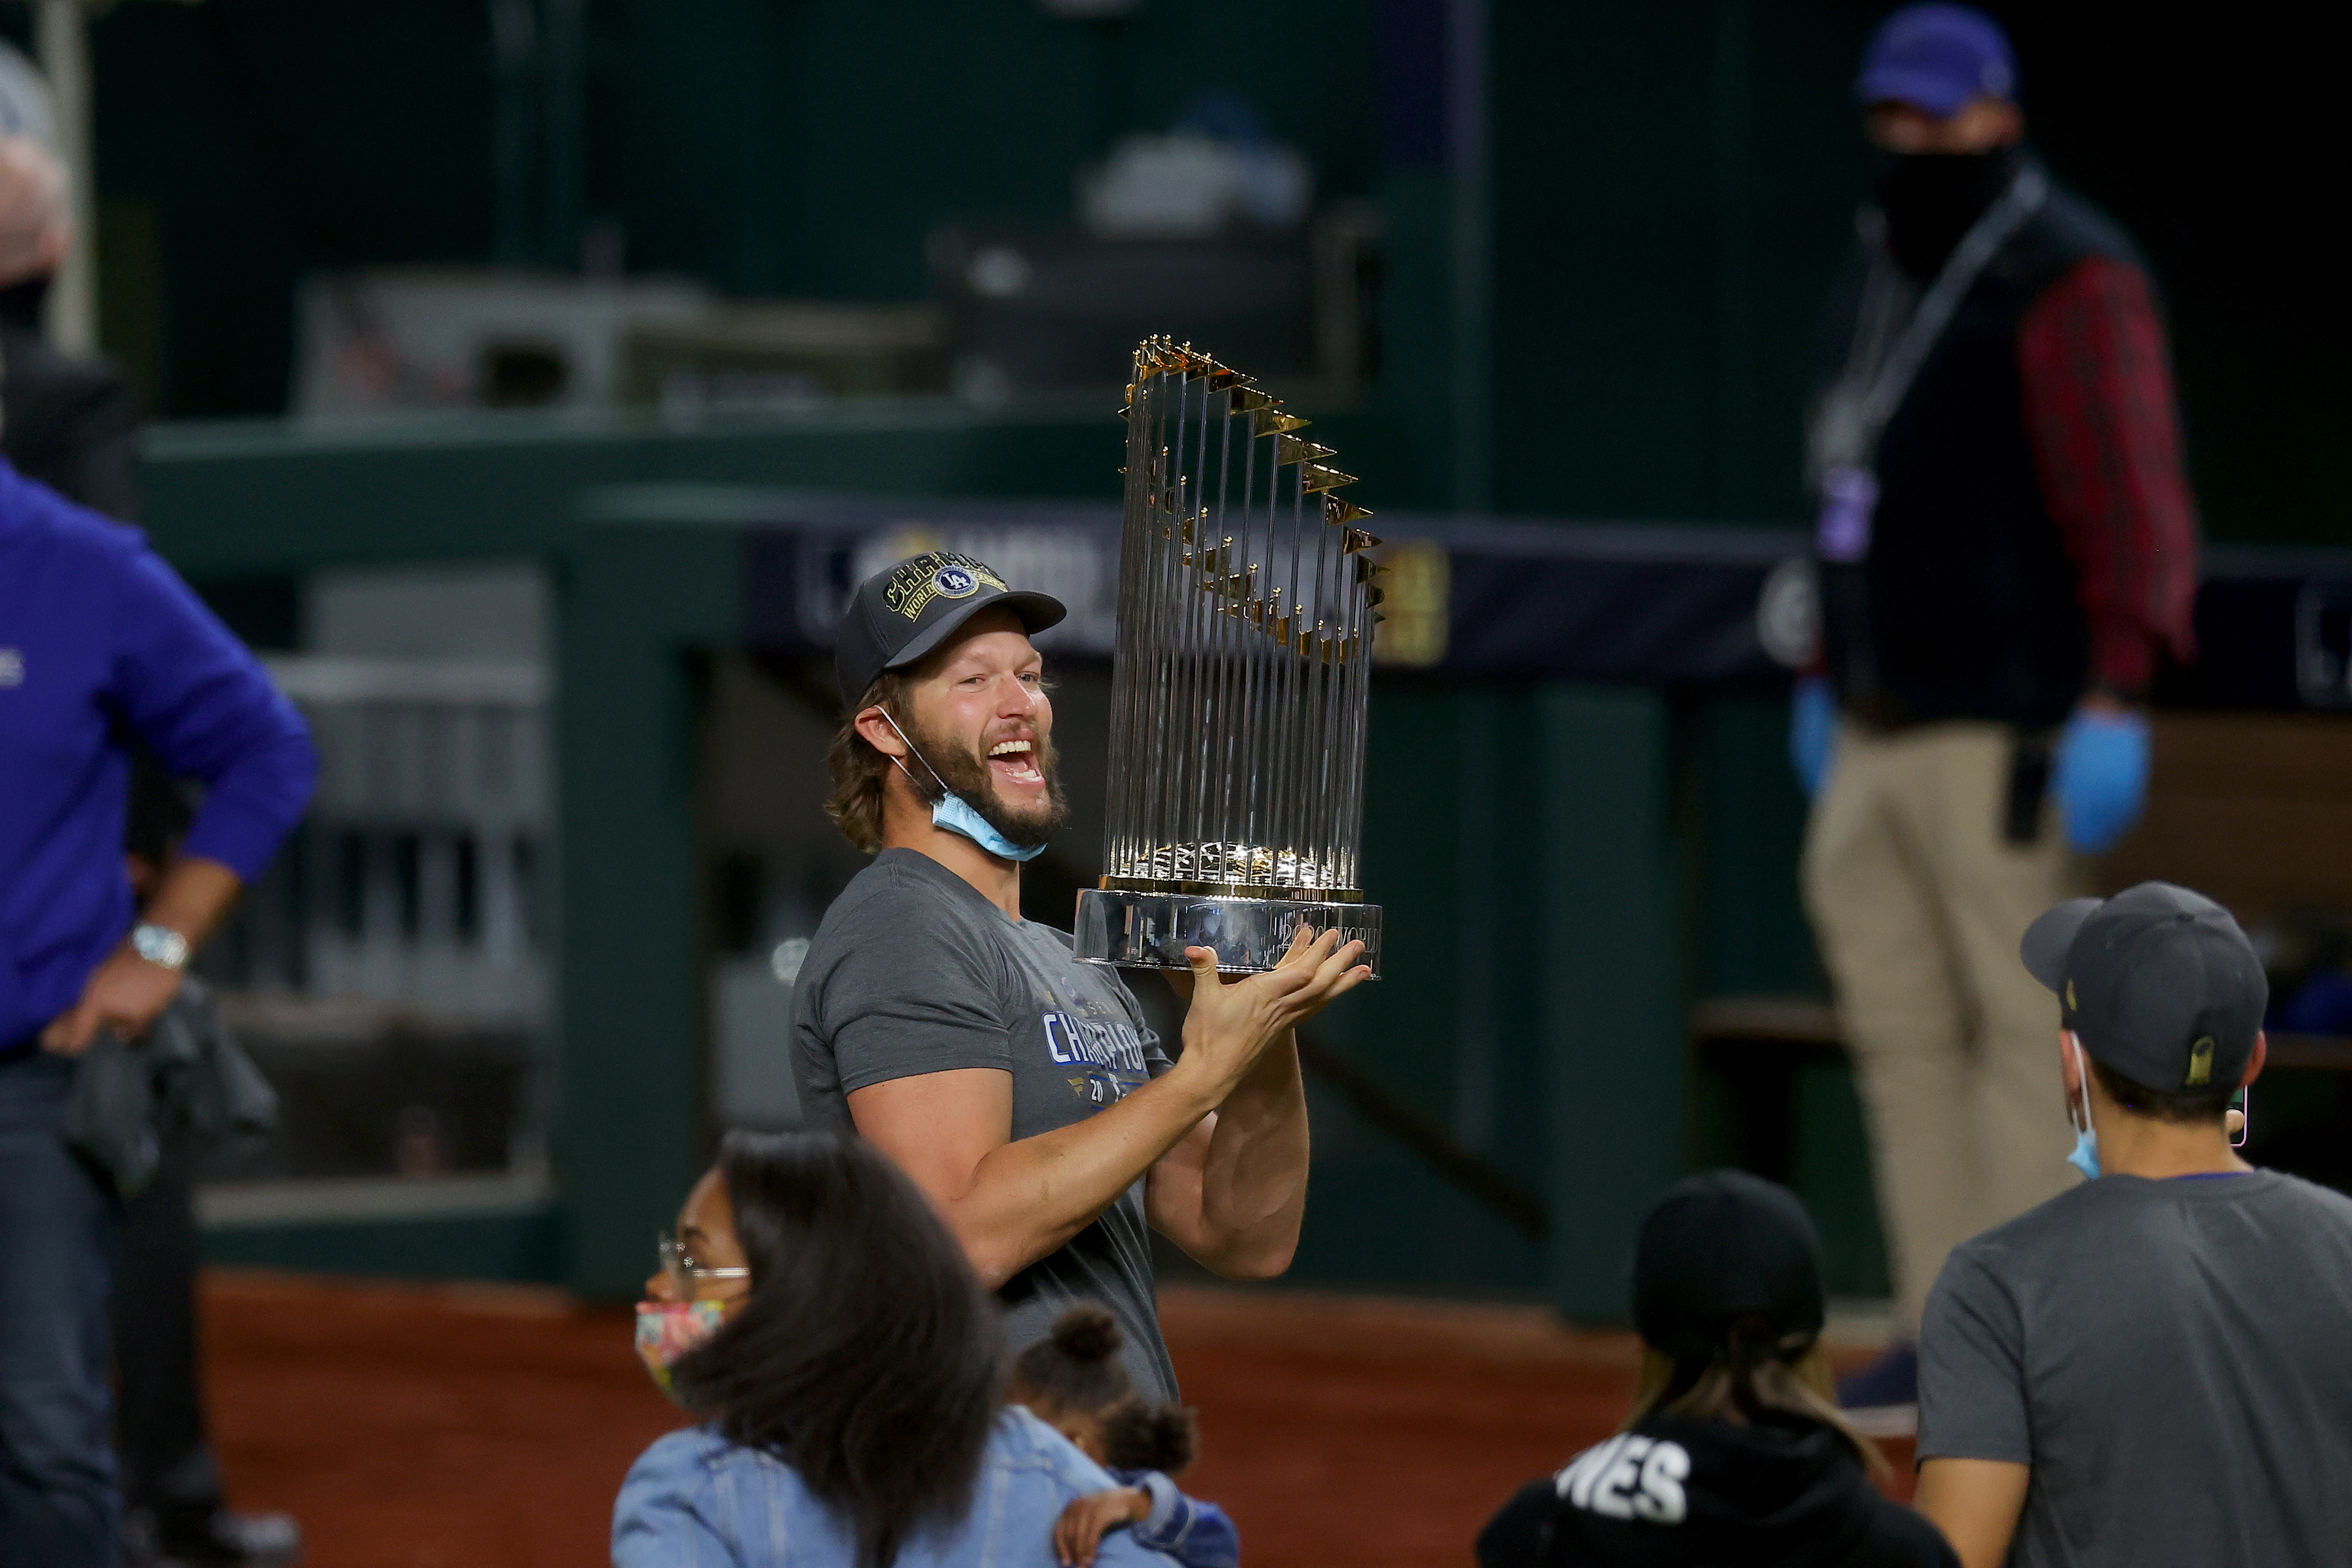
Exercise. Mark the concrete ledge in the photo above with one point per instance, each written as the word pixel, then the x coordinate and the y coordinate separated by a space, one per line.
pixel 238 1206
pixel 501 1228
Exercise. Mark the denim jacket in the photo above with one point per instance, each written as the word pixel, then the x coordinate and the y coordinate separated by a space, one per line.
pixel 696 1500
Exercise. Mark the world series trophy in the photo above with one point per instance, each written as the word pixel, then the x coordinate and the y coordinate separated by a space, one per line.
pixel 1242 684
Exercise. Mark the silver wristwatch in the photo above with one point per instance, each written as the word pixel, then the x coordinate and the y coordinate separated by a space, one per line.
pixel 160 945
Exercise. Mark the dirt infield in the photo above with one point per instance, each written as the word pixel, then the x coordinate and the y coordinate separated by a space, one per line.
pixel 415 1426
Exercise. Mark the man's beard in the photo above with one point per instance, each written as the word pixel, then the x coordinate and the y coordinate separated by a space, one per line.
pixel 966 773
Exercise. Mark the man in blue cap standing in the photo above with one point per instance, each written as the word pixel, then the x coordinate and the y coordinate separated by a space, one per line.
pixel 2007 553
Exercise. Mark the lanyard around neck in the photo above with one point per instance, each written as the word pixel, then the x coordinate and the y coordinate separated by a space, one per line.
pixel 1877 376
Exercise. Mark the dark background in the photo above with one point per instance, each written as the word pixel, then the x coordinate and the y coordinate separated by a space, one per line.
pixel 1671 184
pixel 1606 309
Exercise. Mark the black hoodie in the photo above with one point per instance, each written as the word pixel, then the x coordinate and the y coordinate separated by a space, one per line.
pixel 1680 1493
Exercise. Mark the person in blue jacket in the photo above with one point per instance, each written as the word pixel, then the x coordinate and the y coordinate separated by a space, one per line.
pixel 850 1371
pixel 100 644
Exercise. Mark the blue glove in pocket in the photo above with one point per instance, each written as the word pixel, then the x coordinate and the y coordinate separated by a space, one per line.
pixel 1813 732
pixel 2102 777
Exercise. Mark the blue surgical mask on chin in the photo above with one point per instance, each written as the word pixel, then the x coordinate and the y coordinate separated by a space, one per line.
pixel 2085 1156
pixel 956 815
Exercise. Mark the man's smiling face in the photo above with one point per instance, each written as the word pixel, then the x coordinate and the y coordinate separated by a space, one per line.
pixel 982 719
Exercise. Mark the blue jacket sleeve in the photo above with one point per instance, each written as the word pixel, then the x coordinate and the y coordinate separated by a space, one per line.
pixel 184 685
pixel 1195 1534
pixel 663 1518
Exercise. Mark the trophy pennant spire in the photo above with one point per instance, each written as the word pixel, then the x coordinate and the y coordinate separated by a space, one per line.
pixel 1240 691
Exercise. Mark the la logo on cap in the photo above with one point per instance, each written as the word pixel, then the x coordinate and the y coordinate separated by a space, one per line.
pixel 919 581
pixel 2201 1063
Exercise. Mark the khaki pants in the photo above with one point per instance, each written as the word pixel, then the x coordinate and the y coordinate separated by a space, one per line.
pixel 1919 902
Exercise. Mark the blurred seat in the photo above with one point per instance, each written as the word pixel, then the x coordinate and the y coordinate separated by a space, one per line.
pixel 1035 311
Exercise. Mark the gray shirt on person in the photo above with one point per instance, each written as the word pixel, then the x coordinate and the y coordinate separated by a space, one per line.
pixel 913 971
pixel 2174 1360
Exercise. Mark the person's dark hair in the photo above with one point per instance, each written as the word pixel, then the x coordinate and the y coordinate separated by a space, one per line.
pixel 1753 1377
pixel 860 773
pixel 2186 1107
pixel 1138 1435
pixel 867 1356
pixel 1076 1369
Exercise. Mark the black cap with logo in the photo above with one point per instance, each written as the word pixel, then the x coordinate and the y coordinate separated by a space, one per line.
pixel 899 615
pixel 1720 1247
pixel 2159 983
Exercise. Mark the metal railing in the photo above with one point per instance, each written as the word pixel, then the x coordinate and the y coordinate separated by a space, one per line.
pixel 390 973
pixel 424 842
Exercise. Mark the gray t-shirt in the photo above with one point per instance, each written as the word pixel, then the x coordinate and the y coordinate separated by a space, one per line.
pixel 914 972
pixel 2172 1358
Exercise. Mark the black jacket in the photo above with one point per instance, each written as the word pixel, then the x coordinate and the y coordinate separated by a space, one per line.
pixel 72 424
pixel 1966 606
pixel 1679 1493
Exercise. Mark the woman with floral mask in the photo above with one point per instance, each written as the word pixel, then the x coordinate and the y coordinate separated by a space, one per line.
pixel 849 1370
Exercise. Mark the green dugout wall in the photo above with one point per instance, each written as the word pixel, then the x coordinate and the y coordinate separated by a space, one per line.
pixel 1565 866
pixel 1608 290
pixel 1527 842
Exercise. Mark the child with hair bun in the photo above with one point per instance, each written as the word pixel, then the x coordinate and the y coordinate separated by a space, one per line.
pixel 1072 1381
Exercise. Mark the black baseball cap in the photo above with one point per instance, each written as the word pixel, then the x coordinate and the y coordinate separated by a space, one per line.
pixel 1720 1247
pixel 2158 982
pixel 899 614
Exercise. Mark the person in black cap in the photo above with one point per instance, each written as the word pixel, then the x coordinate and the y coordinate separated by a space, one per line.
pixel 1735 1451
pixel 1019 1088
pixel 2156 1366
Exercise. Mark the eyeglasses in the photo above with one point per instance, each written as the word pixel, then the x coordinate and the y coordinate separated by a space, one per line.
pixel 685 1273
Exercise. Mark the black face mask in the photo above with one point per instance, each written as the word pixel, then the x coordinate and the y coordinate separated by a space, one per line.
pixel 1930 199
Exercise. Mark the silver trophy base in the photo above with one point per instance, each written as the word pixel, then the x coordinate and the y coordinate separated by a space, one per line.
pixel 1151 930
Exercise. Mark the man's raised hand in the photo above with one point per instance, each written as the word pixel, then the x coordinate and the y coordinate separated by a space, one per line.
pixel 1230 1025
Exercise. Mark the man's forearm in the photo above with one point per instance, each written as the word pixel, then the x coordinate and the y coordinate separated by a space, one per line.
pixel 1024 1199
pixel 1254 1178
pixel 194 896
pixel 1012 1202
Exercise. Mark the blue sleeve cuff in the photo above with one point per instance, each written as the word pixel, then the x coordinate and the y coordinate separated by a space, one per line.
pixel 1164 1498
pixel 1196 1533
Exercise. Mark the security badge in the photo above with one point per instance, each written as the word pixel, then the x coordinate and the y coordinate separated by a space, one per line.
pixel 935 575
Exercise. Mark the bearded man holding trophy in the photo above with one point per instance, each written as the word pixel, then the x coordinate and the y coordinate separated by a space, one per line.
pixel 1008 1068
